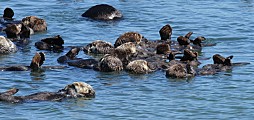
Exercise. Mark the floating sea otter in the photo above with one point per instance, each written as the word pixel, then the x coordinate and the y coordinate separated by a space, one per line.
pixel 35 23
pixel 99 47
pixel 220 64
pixel 53 44
pixel 180 70
pixel 140 67
pixel 74 90
pixel 102 12
pixel 36 64
pixel 109 63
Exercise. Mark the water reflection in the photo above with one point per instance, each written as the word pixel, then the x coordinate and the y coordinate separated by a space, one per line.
pixel 38 75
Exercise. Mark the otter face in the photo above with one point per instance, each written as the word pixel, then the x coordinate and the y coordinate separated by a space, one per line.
pixel 79 89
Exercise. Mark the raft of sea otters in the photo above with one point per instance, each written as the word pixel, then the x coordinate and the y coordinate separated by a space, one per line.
pixel 131 52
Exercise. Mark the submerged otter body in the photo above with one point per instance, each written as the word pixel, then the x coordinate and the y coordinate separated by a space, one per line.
pixel 74 90
pixel 103 12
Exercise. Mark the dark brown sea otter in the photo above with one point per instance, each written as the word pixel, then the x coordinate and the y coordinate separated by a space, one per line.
pixel 184 40
pixel 102 12
pixel 166 32
pixel 52 43
pixel 74 90
pixel 218 59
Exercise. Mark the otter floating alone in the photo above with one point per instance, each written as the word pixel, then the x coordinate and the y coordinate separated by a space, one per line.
pixel 102 12
pixel 74 90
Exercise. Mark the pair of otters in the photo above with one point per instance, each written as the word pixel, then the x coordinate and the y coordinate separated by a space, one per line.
pixel 74 90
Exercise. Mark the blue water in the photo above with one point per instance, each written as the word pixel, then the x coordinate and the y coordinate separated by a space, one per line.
pixel 227 95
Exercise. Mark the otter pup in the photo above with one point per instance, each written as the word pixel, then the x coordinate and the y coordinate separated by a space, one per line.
pixel 102 12
pixel 8 14
pixel 99 47
pixel 128 37
pixel 166 32
pixel 140 67
pixel 35 23
pixel 109 63
pixel 74 90
pixel 54 44
pixel 7 46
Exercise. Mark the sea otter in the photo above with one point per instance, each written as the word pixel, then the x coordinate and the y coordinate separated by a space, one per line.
pixel 54 44
pixel 7 46
pixel 102 12
pixel 74 90
pixel 140 67
pixel 184 40
pixel 35 65
pixel 125 52
pixel 35 23
pixel 99 47
pixel 180 70
pixel 218 59
pixel 163 49
pixel 109 63
pixel 128 37
pixel 166 32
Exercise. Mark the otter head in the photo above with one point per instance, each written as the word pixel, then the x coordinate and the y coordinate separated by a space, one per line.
pixel 8 14
pixel 78 89
pixel 189 55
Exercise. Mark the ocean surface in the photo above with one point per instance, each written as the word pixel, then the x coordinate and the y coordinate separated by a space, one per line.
pixel 120 95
